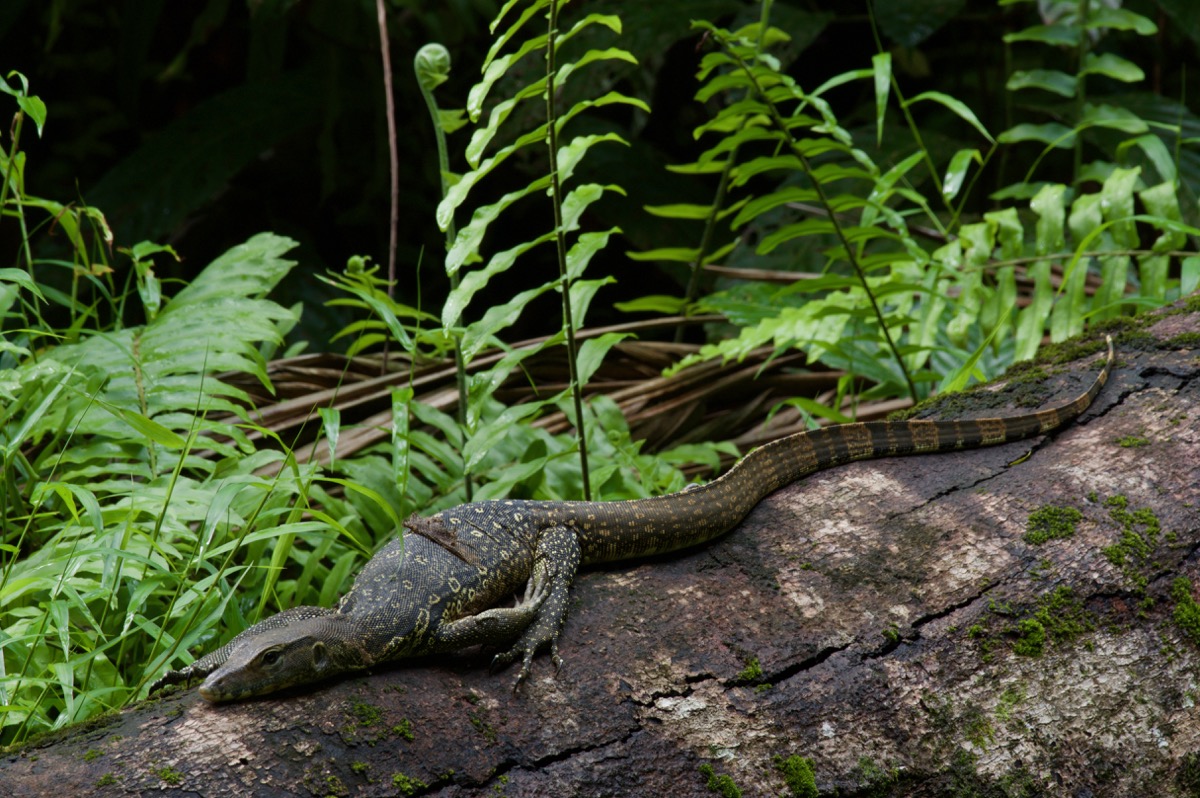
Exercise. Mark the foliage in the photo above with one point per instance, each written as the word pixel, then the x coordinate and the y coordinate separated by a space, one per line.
pixel 879 302
pixel 138 523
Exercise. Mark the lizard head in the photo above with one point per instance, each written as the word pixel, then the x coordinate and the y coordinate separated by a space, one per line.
pixel 303 651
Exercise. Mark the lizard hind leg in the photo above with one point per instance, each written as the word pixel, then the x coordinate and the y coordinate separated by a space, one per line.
pixel 556 559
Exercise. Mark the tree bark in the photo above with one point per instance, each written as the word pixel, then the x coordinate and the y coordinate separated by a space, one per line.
pixel 890 622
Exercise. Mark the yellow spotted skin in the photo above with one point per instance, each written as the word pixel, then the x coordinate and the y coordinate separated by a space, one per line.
pixel 444 585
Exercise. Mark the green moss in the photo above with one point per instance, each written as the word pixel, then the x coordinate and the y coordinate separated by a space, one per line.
pixel 1132 441
pixel 752 672
pixel 107 780
pixel 1049 522
pixel 405 785
pixel 798 775
pixel 721 784
pixel 1058 617
pixel 1187 612
pixel 1188 776
pixel 1031 640
pixel 366 714
pixel 1188 340
pixel 404 729
pixel 483 727
pixel 92 753
pixel 359 767
pixel 892 634
pixel 1140 530
pixel 875 781
pixel 169 775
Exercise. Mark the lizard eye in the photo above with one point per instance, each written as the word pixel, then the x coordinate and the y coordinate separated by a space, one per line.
pixel 270 658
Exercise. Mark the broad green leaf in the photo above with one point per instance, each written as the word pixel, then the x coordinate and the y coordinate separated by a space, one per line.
pixel 458 192
pixel 1049 207
pixel 1112 66
pixel 1051 133
pixel 1156 151
pixel 576 202
pixel 611 98
pixel 582 251
pixel 956 172
pixel 572 153
pixel 679 211
pixel 1111 117
pixel 759 205
pixel 482 137
pixel 1189 275
pixel 674 254
pixel 1120 19
pixel 593 351
pixel 470 237
pixel 1059 35
pixel 1050 80
pixel 1163 201
pixel 1117 203
pixel 474 281
pixel 22 279
pixel 595 56
pixel 743 172
pixel 147 427
pixel 1152 274
pixel 957 379
pixel 957 107
pixel 655 303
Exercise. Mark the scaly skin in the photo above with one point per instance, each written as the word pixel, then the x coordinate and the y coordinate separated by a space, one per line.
pixel 437 588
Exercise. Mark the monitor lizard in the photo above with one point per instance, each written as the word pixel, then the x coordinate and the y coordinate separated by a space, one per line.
pixel 443 584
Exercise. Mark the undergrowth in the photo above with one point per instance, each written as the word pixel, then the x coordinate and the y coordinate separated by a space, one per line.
pixel 147 513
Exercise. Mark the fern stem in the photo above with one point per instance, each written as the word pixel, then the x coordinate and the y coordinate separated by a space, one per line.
pixel 427 65
pixel 560 244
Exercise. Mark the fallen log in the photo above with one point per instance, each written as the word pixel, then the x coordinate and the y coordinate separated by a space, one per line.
pixel 1020 620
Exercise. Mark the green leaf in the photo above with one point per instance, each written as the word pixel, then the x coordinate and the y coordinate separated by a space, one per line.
pixel 1156 151
pixel 144 426
pixel 760 205
pixel 1050 80
pixel 654 303
pixel 674 254
pixel 957 107
pixel 679 211
pixel 956 172
pixel 957 379
pixel 1120 19
pixel 1112 66
pixel 474 281
pixel 1108 116
pixel 1050 133
pixel 584 248
pixel 22 279
pixel 593 351
pixel 1057 35
pixel 1189 275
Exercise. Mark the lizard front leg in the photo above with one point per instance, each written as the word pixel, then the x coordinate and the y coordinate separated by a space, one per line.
pixel 555 561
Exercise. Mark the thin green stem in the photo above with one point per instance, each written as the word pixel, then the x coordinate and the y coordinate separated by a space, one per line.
pixel 432 64
pixel 560 242
pixel 839 231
